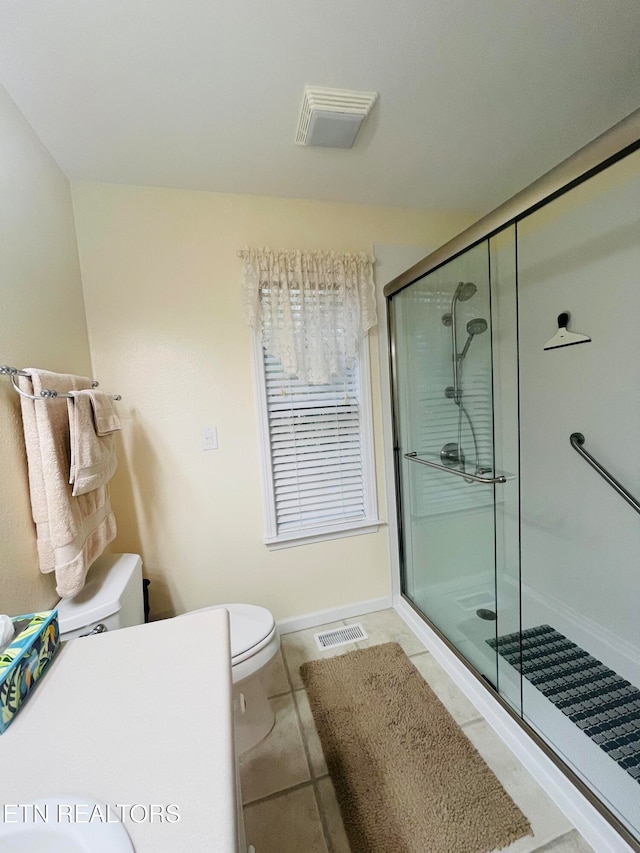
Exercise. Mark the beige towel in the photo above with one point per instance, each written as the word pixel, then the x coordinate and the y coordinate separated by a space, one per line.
pixel 71 532
pixel 104 414
pixel 92 423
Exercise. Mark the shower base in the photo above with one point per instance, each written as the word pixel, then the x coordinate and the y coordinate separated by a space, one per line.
pixel 603 705
pixel 448 606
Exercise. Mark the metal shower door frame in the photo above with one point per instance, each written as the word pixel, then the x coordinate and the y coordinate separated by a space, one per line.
pixel 617 142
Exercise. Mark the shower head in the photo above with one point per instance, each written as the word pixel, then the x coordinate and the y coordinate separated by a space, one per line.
pixel 464 291
pixel 474 327
pixel 477 326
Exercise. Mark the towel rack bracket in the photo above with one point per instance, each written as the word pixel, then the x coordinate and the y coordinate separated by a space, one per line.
pixel 11 371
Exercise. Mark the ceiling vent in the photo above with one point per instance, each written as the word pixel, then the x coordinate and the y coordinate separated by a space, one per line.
pixel 331 118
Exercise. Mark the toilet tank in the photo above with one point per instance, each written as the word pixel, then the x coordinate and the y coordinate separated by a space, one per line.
pixel 112 596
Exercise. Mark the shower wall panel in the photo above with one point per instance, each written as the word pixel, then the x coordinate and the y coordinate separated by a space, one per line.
pixel 580 540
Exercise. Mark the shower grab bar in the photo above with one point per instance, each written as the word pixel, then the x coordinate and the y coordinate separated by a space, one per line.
pixel 413 457
pixel 577 440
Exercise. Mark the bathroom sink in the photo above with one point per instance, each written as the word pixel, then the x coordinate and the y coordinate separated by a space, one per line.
pixel 62 825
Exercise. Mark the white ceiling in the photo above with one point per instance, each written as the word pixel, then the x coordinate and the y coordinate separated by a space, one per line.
pixel 477 97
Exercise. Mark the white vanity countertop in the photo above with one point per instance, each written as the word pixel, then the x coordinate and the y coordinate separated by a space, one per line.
pixel 137 716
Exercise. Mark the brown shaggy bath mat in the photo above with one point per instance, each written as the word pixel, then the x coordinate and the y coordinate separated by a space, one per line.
pixel 406 777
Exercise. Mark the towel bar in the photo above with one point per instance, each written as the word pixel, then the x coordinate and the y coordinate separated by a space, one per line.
pixel 45 394
pixel 473 478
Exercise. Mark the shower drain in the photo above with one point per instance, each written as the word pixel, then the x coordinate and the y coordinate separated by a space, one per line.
pixel 485 613
pixel 340 636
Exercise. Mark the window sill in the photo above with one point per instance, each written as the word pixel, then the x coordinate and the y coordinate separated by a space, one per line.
pixel 291 540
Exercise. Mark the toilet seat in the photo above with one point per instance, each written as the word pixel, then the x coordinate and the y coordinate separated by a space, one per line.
pixel 253 636
pixel 251 629
pixel 254 643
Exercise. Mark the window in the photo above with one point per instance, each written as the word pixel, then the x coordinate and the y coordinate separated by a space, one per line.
pixel 317 452
pixel 311 313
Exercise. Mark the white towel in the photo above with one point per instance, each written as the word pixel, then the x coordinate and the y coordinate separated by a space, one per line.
pixel 71 532
pixel 92 424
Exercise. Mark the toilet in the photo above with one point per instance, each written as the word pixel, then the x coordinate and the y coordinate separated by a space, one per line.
pixel 112 598
pixel 254 642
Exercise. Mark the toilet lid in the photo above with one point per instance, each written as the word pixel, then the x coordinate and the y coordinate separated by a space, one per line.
pixel 250 627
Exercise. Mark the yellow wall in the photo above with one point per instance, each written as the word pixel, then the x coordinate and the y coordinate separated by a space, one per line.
pixel 164 307
pixel 42 324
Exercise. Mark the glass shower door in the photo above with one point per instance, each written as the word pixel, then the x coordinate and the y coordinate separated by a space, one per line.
pixel 532 576
pixel 580 539
pixel 443 390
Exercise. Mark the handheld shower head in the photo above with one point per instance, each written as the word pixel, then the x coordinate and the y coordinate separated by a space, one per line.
pixel 477 326
pixel 474 327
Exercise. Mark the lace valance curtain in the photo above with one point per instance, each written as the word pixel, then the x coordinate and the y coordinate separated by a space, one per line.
pixel 312 308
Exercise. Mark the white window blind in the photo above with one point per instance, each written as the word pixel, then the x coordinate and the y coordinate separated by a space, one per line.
pixel 317 452
pixel 316 449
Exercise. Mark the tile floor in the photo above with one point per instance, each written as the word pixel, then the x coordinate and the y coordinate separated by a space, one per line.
pixel 289 801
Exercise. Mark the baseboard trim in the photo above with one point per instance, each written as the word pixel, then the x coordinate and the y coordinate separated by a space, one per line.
pixel 334 614
pixel 597 831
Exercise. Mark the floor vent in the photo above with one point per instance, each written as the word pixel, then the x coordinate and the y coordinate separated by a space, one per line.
pixel 340 636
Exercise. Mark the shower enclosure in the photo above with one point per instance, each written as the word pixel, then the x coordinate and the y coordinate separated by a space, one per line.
pixel 516 466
